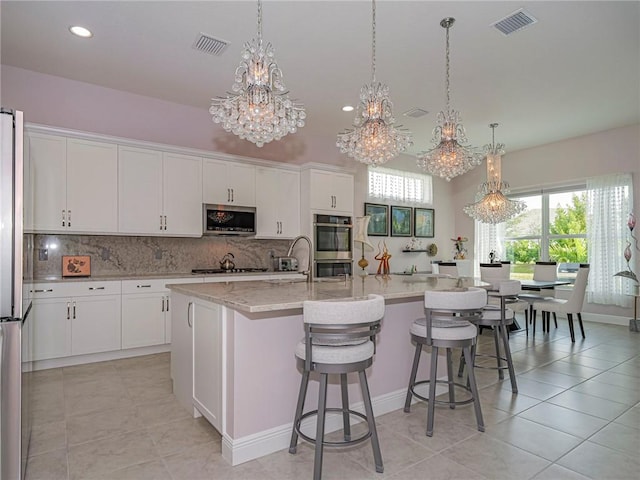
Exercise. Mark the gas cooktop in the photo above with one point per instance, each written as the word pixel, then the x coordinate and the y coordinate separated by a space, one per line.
pixel 213 271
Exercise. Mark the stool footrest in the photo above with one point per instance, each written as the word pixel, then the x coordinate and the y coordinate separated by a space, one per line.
pixel 443 402
pixel 342 443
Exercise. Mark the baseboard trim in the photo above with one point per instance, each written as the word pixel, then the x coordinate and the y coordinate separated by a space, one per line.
pixel 98 357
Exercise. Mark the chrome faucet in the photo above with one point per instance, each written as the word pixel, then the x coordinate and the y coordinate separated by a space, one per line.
pixel 309 272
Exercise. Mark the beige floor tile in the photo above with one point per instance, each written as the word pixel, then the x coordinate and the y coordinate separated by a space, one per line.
pixel 439 467
pixel 534 438
pixel 158 413
pixel 553 378
pixel 631 417
pixel 142 361
pixel 45 410
pixel 88 373
pixel 106 423
pixel 622 438
pixel 596 461
pixel 87 397
pixel 151 392
pixel 154 470
pixel 596 406
pixel 503 399
pixel 48 466
pixel 176 436
pixel 556 472
pixel 495 459
pixel 598 363
pixel 573 369
pixel 560 418
pixel 605 352
pixel 47 437
pixel 619 380
pixel 627 369
pixel 534 389
pixel 145 375
pixel 100 457
pixel 609 392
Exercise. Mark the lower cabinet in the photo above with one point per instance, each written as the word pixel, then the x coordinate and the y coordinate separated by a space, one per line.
pixel 50 329
pixel 95 324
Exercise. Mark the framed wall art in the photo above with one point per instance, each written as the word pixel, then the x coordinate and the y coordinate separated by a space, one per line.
pixel 76 265
pixel 400 221
pixel 379 223
pixel 423 222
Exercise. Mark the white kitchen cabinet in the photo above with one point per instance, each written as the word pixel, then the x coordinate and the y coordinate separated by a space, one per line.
pixel 278 203
pixel 75 185
pixel 331 191
pixel 228 183
pixel 182 349
pixel 207 361
pixel 159 193
pixel 74 318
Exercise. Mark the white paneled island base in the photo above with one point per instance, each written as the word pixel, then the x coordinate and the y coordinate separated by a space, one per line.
pixel 232 354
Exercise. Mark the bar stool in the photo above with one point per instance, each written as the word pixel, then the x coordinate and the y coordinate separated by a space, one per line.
pixel 447 325
pixel 498 318
pixel 339 339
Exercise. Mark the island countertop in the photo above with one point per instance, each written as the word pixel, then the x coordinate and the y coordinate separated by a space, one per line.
pixel 275 295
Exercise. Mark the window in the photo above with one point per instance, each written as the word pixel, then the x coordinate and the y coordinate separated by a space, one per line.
pixel 388 184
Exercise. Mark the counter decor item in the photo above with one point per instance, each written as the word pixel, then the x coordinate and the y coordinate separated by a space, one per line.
pixel 423 222
pixel 76 265
pixel 634 323
pixel 459 252
pixel 400 221
pixel 379 223
pixel 432 250
pixel 383 256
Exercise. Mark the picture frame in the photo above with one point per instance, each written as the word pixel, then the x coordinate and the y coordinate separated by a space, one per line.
pixel 76 266
pixel 401 221
pixel 379 223
pixel 423 222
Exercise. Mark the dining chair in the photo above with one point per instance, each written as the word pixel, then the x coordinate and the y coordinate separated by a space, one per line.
pixel 542 271
pixel 495 273
pixel 570 306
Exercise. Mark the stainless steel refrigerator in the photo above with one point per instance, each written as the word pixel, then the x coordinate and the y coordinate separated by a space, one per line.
pixel 15 304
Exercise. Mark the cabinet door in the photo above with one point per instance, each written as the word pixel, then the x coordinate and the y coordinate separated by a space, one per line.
pixel 267 199
pixel 48 163
pixel 321 190
pixel 215 189
pixel 50 328
pixel 143 319
pixel 182 349
pixel 242 181
pixel 343 192
pixel 92 186
pixel 289 205
pixel 95 324
pixel 139 191
pixel 207 362
pixel 182 188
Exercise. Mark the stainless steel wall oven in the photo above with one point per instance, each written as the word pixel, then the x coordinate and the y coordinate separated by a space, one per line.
pixel 333 245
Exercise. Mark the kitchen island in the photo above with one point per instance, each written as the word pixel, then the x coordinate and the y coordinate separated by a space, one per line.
pixel 232 354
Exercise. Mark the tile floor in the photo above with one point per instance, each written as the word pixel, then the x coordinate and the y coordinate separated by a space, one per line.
pixel 577 416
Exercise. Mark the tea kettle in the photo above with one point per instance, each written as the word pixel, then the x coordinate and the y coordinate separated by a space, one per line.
pixel 226 263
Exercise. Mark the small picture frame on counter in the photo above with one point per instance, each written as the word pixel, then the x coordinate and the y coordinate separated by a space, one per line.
pixel 76 266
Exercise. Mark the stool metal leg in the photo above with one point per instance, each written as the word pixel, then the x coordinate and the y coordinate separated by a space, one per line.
pixel 322 405
pixel 432 390
pixel 571 330
pixel 461 367
pixel 496 341
pixel 452 395
pixel 345 407
pixel 507 354
pixel 301 397
pixel 412 378
pixel 581 325
pixel 474 388
pixel 368 408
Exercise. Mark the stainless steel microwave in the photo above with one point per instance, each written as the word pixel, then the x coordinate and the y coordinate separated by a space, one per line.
pixel 228 220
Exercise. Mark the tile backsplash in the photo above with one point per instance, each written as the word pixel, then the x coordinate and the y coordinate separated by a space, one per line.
pixel 120 255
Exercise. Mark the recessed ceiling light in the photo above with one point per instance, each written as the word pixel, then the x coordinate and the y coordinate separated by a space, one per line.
pixel 347 108
pixel 81 31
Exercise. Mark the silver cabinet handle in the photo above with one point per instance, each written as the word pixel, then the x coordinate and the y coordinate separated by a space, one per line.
pixel 68 311
pixel 63 218
pixel 232 199
pixel 96 288
pixel 74 310
pixel 69 218
pixel 162 310
pixel 165 222
pixel 160 222
pixel 43 290
pixel 143 286
pixel 167 304
pixel 228 195
pixel 189 314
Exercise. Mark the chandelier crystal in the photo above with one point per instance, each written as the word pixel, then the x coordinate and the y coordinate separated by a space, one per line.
pixel 259 109
pixel 374 140
pixel 450 156
pixel 491 205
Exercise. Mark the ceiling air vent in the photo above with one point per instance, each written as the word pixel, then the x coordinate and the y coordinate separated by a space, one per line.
pixel 515 22
pixel 415 113
pixel 211 45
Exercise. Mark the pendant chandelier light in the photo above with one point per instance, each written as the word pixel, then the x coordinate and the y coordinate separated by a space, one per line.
pixel 491 205
pixel 259 108
pixel 451 156
pixel 374 140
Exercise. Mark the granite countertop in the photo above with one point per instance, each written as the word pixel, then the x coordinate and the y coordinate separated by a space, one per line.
pixel 274 295
pixel 150 276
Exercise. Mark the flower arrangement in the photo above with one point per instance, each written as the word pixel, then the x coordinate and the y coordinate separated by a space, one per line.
pixel 460 252
pixel 628 273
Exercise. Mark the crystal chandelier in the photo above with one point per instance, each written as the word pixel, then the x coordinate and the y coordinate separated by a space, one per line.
pixel 491 205
pixel 451 156
pixel 259 109
pixel 374 140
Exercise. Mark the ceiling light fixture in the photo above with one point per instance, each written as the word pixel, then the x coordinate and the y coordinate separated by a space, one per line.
pixel 81 31
pixel 347 108
pixel 450 155
pixel 374 140
pixel 491 205
pixel 259 109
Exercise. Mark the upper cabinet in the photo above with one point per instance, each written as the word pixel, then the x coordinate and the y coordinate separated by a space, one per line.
pixel 228 183
pixel 159 193
pixel 74 185
pixel 330 191
pixel 278 203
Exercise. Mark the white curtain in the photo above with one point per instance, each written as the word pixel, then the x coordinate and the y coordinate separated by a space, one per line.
pixel 609 202
pixel 488 237
pixel 389 184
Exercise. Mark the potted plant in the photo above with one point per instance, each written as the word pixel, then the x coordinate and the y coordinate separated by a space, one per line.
pixel 634 323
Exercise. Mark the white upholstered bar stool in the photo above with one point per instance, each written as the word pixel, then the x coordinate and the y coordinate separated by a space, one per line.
pixel 570 306
pixel 339 339
pixel 498 318
pixel 447 325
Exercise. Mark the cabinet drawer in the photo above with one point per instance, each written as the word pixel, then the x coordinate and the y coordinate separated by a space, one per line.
pixel 74 289
pixel 143 286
